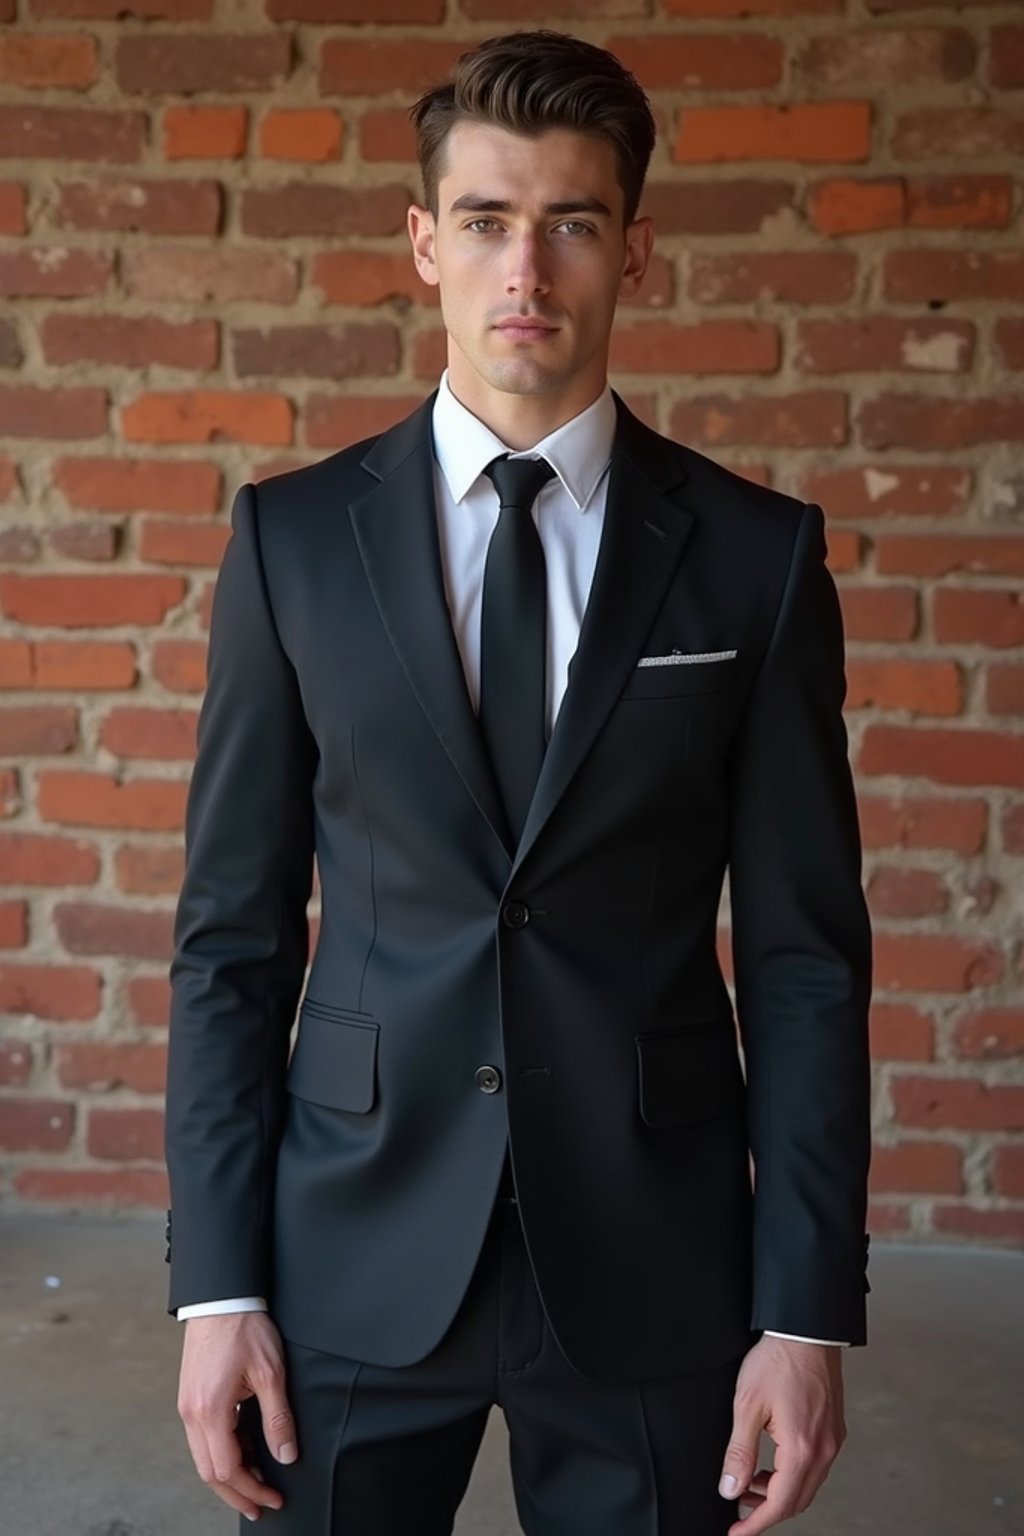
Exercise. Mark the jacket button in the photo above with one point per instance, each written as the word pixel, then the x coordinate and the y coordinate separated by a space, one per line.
pixel 488 1079
pixel 515 914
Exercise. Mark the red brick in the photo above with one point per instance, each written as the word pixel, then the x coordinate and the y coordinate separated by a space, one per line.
pixel 340 351
pixel 332 11
pixel 913 821
pixel 204 133
pixel 100 800
pixel 161 734
pixel 89 928
pixel 900 1032
pixel 303 134
pixel 879 613
pixel 131 1134
pixel 180 665
pixel 933 962
pixel 189 275
pixel 928 423
pixel 13 924
pixel 177 543
pixel 709 346
pixel 117 10
pixel 1008 335
pixel 13 209
pixel 15 1063
pixel 182 487
pixel 82 601
pixel 736 62
pixel 148 206
pixel 34 858
pixel 910 555
pixel 36 1125
pixel 28 410
pixel 812 419
pixel 844 550
pixel 368 277
pixel 987 616
pixel 735 205
pixel 339 420
pixel 57 992
pixel 934 275
pixel 130 342
pixel 54 272
pixel 149 1001
pixel 881 59
pixel 792 277
pixel 907 893
pixel 109 1187
pixel 871 343
pixel 964 757
pixel 917 1168
pixel 1013 828
pixel 1000 1226
pixel 963 134
pixel 71 133
pixel 9 792
pixel 15 664
pixel 386 134
pixel 350 66
pixel 957 1103
pixel 149 870
pixel 178 64
pixel 38 730
pixel 886 1216
pixel 1004 689
pixel 85 541
pixel 85 665
pixel 989 1034
pixel 838 206
pixel 311 208
pixel 207 416
pixel 1006 61
pixel 18 545
pixel 97 1066
pixel 1006 1177
pixel 807 131
pixel 922 687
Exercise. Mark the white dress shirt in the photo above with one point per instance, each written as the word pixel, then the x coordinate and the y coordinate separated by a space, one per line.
pixel 569 513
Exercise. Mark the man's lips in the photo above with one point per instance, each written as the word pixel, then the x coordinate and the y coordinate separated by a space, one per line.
pixel 533 326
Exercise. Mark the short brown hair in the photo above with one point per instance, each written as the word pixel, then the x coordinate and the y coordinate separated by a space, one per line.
pixel 529 82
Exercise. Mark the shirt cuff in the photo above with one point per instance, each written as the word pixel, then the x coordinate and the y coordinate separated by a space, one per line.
pixel 802 1339
pixel 229 1304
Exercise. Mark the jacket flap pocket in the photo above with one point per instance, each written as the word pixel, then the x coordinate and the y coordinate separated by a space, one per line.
pixel 334 1062
pixel 668 681
pixel 689 1074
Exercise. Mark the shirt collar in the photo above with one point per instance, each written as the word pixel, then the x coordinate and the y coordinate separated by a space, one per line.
pixel 578 451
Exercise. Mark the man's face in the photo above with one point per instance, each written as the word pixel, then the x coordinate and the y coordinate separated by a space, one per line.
pixel 554 252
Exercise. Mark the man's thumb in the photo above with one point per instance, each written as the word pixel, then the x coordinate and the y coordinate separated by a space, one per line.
pixel 279 1427
pixel 737 1467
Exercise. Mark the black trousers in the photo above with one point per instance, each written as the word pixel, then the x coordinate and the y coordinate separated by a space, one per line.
pixel 388 1452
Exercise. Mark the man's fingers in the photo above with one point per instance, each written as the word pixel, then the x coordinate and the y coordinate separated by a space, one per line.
pixel 740 1457
pixel 232 1476
pixel 278 1423
pixel 788 1491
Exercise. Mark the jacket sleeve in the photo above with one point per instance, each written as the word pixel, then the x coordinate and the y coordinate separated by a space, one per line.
pixel 240 935
pixel 802 956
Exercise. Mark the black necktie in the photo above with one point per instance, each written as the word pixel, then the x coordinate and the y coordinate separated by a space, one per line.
pixel 513 636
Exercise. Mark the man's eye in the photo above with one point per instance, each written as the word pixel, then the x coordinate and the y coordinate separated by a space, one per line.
pixel 566 223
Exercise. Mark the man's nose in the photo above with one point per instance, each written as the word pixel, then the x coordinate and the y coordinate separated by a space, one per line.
pixel 528 269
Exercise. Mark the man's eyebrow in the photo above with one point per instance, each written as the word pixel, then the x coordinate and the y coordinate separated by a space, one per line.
pixel 473 202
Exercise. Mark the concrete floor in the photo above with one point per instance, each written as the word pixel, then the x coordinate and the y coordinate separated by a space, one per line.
pixel 90 1442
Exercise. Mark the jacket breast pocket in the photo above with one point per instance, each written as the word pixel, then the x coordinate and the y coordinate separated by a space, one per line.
pixel 334 1059
pixel 671 680
pixel 690 1073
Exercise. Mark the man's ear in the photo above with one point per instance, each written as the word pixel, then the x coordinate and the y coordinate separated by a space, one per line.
pixel 420 225
pixel 639 243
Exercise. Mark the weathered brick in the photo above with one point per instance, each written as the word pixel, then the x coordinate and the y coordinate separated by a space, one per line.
pixel 1012 827
pixel 916 821
pixel 1006 1172
pixel 183 487
pixel 97 1066
pixel 965 134
pixel 873 343
pixel 89 928
pixel 31 410
pixel 117 10
pixel 928 423
pixel 890 490
pixel 36 1125
pixel 160 734
pixel 415 12
pixel 937 276
pixel 152 207
pixel 880 59
pixel 219 275
pixel 19 545
pixel 113 1188
pixel 838 206
pixel 100 800
pixel 922 687
pixel 38 729
pixel 1004 1225
pixel 812 419
pixel 177 543
pixel 715 62
pixel 964 757
pixel 807 131
pixel 178 64
pixel 339 351
pixel 60 993
pixel 13 208
pixel 957 1103
pixel 734 206
pixel 207 416
pixel 900 1032
pixel 368 277
pixel 128 1134
pixel 307 208
pixel 917 1167
pixel 147 869
pixel 989 1034
pixel 75 602
pixel 84 665
pixel 880 613
pixel 15 1063
pixel 386 133
pixel 180 665
pixel 35 858
pixel 205 133
pixel 1008 335
pixel 933 962
pixel 791 277
pixel 84 541
pixel 906 893
pixel 339 420
pixel 1004 689
pixel 1006 58
pixel 303 134
pixel 13 924
pixel 709 346
pixel 350 66
pixel 149 1001
pixel 10 792
pixel 988 616
pixel 71 133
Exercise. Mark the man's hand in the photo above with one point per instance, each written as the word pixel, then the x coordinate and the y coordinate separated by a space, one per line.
pixel 795 1392
pixel 226 1358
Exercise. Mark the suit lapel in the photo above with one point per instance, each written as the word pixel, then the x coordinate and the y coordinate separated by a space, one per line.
pixel 644 532
pixel 395 526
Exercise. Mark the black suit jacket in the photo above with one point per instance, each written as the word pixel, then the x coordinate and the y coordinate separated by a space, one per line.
pixel 352 1184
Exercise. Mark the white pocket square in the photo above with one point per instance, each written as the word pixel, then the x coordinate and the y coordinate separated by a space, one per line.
pixel 683 658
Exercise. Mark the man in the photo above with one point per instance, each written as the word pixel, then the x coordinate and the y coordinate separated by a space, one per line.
pixel 527 678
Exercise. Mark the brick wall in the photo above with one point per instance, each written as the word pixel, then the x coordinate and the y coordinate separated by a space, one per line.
pixel 207 279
